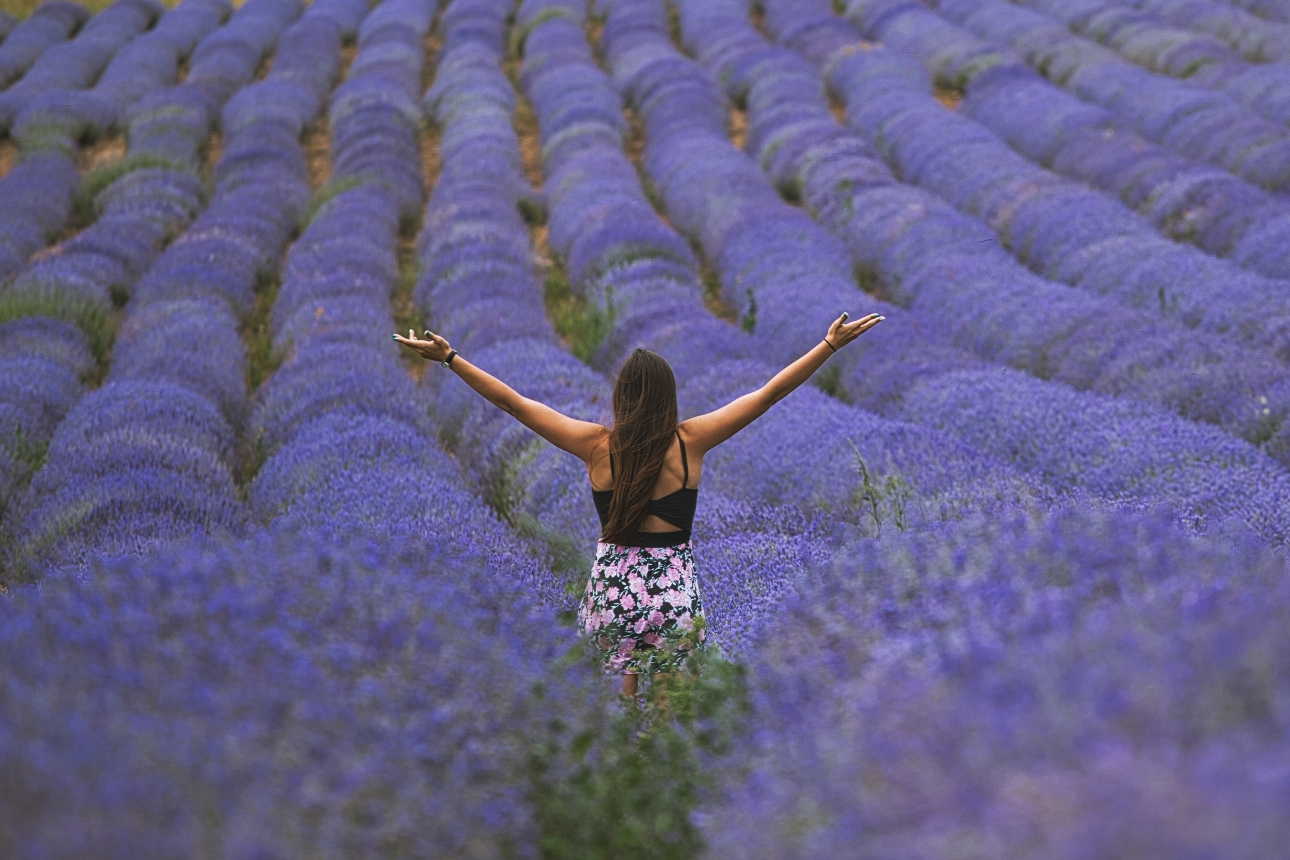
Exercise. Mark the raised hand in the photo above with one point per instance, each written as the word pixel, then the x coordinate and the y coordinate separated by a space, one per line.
pixel 433 347
pixel 842 332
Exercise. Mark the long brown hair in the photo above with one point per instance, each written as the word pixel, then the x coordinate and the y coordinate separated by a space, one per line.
pixel 645 419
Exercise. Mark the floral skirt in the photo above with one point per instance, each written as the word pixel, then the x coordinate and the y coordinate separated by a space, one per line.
pixel 642 608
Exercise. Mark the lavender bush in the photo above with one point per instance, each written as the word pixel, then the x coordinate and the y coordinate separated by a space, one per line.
pixel 1056 687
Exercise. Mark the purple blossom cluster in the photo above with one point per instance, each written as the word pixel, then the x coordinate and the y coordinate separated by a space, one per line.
pixel 932 256
pixel 77 63
pixel 1190 201
pixel 1072 686
pixel 52 23
pixel 285 697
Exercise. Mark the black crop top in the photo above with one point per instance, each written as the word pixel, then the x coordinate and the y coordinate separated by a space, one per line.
pixel 676 508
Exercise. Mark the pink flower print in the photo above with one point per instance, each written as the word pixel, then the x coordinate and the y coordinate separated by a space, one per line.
pixel 652 639
pixel 632 555
pixel 656 600
pixel 641 624
pixel 628 602
pixel 686 623
pixel 656 618
pixel 611 593
pixel 626 646
pixel 637 585
pixel 603 642
pixel 600 585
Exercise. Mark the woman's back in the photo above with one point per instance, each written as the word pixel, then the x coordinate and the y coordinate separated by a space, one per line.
pixel 673 500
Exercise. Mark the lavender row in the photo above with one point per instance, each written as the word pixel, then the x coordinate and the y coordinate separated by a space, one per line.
pixel 148 458
pixel 1271 10
pixel 51 24
pixel 60 118
pixel 1143 38
pixel 1192 202
pixel 1101 248
pixel 36 196
pixel 346 442
pixel 931 695
pixel 476 268
pixel 77 64
pixel 1256 39
pixel 1189 119
pixel 695 168
pixel 933 259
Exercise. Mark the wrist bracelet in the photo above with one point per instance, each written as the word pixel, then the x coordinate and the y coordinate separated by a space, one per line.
pixel 447 362
pixel 829 345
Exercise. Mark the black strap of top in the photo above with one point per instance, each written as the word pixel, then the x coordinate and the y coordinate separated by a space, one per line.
pixel 685 463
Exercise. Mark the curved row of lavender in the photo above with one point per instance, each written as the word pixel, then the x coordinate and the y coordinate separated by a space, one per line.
pixel 64 514
pixel 1256 39
pixel 36 196
pixel 1075 440
pixel 51 24
pixel 1099 144
pixel 931 258
pixel 1191 119
pixel 75 65
pixel 1271 10
pixel 1150 41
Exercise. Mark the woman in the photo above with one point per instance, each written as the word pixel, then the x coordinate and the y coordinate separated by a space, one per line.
pixel 642 605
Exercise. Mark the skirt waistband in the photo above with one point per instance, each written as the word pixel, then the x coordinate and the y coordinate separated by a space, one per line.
pixel 657 540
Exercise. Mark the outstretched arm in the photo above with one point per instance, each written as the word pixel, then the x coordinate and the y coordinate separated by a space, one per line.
pixel 710 430
pixel 569 434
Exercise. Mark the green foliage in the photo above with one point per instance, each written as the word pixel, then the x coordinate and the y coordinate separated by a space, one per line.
pixel 324 195
pixel 887 500
pixel 94 319
pixel 748 321
pixel 519 34
pixel 626 790
pixel 582 324
pixel 83 203
pixel 532 211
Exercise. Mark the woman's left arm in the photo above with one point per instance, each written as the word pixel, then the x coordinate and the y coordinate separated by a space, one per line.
pixel 568 434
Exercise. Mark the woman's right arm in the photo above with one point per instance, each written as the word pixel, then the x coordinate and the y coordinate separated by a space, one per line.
pixel 569 434
pixel 708 431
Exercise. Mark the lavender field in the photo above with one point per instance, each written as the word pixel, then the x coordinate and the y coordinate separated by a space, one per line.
pixel 1010 580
